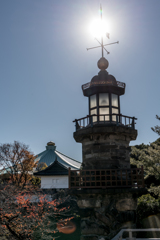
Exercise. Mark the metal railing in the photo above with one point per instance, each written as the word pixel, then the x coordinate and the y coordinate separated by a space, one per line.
pixel 89 84
pixel 106 178
pixel 130 231
pixel 114 119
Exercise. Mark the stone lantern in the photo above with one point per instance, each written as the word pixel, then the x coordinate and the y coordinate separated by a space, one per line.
pixel 105 133
pixel 106 187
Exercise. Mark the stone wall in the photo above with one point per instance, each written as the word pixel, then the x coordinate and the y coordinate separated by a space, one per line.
pixel 105 212
pixel 105 147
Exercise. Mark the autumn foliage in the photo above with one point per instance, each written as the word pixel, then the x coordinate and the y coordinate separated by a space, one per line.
pixel 28 214
pixel 18 161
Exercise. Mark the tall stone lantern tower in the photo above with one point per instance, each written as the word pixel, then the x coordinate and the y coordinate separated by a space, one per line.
pixel 105 133
pixel 106 187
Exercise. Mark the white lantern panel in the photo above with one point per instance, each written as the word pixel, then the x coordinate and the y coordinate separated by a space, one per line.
pixel 114 110
pixel 93 102
pixel 103 99
pixel 104 111
pixel 94 118
pixel 114 100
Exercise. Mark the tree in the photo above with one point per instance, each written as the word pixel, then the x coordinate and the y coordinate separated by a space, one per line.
pixel 24 219
pixel 25 212
pixel 156 129
pixel 36 181
pixel 18 161
pixel 41 166
pixel 149 157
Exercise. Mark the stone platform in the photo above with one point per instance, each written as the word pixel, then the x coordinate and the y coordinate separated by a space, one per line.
pixel 104 212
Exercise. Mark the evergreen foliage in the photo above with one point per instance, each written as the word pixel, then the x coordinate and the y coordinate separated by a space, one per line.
pixel 147 205
pixel 149 157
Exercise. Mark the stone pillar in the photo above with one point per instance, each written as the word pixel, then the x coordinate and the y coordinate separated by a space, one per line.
pixel 105 147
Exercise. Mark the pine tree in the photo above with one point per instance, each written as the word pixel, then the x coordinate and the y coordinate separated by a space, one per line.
pixel 149 157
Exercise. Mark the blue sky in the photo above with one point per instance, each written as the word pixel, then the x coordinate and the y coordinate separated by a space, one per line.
pixel 44 62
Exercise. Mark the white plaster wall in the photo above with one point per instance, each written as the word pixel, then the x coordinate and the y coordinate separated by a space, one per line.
pixel 59 181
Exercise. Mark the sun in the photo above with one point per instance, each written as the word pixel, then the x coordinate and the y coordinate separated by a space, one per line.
pixel 99 28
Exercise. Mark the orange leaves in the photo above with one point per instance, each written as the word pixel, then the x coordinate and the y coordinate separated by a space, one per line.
pixel 62 209
pixel 53 203
pixel 24 216
pixel 4 226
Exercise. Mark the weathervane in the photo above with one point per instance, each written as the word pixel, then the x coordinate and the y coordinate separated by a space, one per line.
pixel 101 43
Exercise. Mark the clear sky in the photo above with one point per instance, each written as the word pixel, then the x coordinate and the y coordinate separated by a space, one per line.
pixel 44 62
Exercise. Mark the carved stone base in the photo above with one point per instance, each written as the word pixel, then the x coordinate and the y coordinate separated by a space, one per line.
pixel 105 212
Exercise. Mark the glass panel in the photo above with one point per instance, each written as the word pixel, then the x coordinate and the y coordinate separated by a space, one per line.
pixel 103 111
pixel 114 110
pixel 94 111
pixel 103 99
pixel 114 100
pixel 93 102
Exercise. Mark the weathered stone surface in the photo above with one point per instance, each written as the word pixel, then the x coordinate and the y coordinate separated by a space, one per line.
pixel 103 218
pixel 109 145
pixel 126 204
pixel 86 212
pixel 126 216
pixel 88 227
pixel 89 203
pixel 115 210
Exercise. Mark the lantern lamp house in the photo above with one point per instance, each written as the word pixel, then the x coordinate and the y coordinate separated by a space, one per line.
pixel 105 133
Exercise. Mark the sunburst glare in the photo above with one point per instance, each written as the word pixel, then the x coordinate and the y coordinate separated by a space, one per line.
pixel 99 28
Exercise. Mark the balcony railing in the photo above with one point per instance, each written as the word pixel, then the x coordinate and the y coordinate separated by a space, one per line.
pixel 106 178
pixel 114 119
pixel 89 84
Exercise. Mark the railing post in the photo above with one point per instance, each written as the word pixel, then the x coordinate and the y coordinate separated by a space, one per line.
pixel 77 125
pixel 117 120
pixel 130 234
pixel 69 175
pixel 133 123
pixel 87 120
pixel 120 118
pixel 91 121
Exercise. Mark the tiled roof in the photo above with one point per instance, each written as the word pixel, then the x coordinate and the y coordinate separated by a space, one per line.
pixel 5 170
pixel 55 168
pixel 50 155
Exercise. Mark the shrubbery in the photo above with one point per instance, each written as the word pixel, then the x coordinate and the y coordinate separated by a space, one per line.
pixel 147 205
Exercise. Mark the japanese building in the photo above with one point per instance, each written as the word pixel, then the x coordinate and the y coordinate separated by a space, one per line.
pixel 56 174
